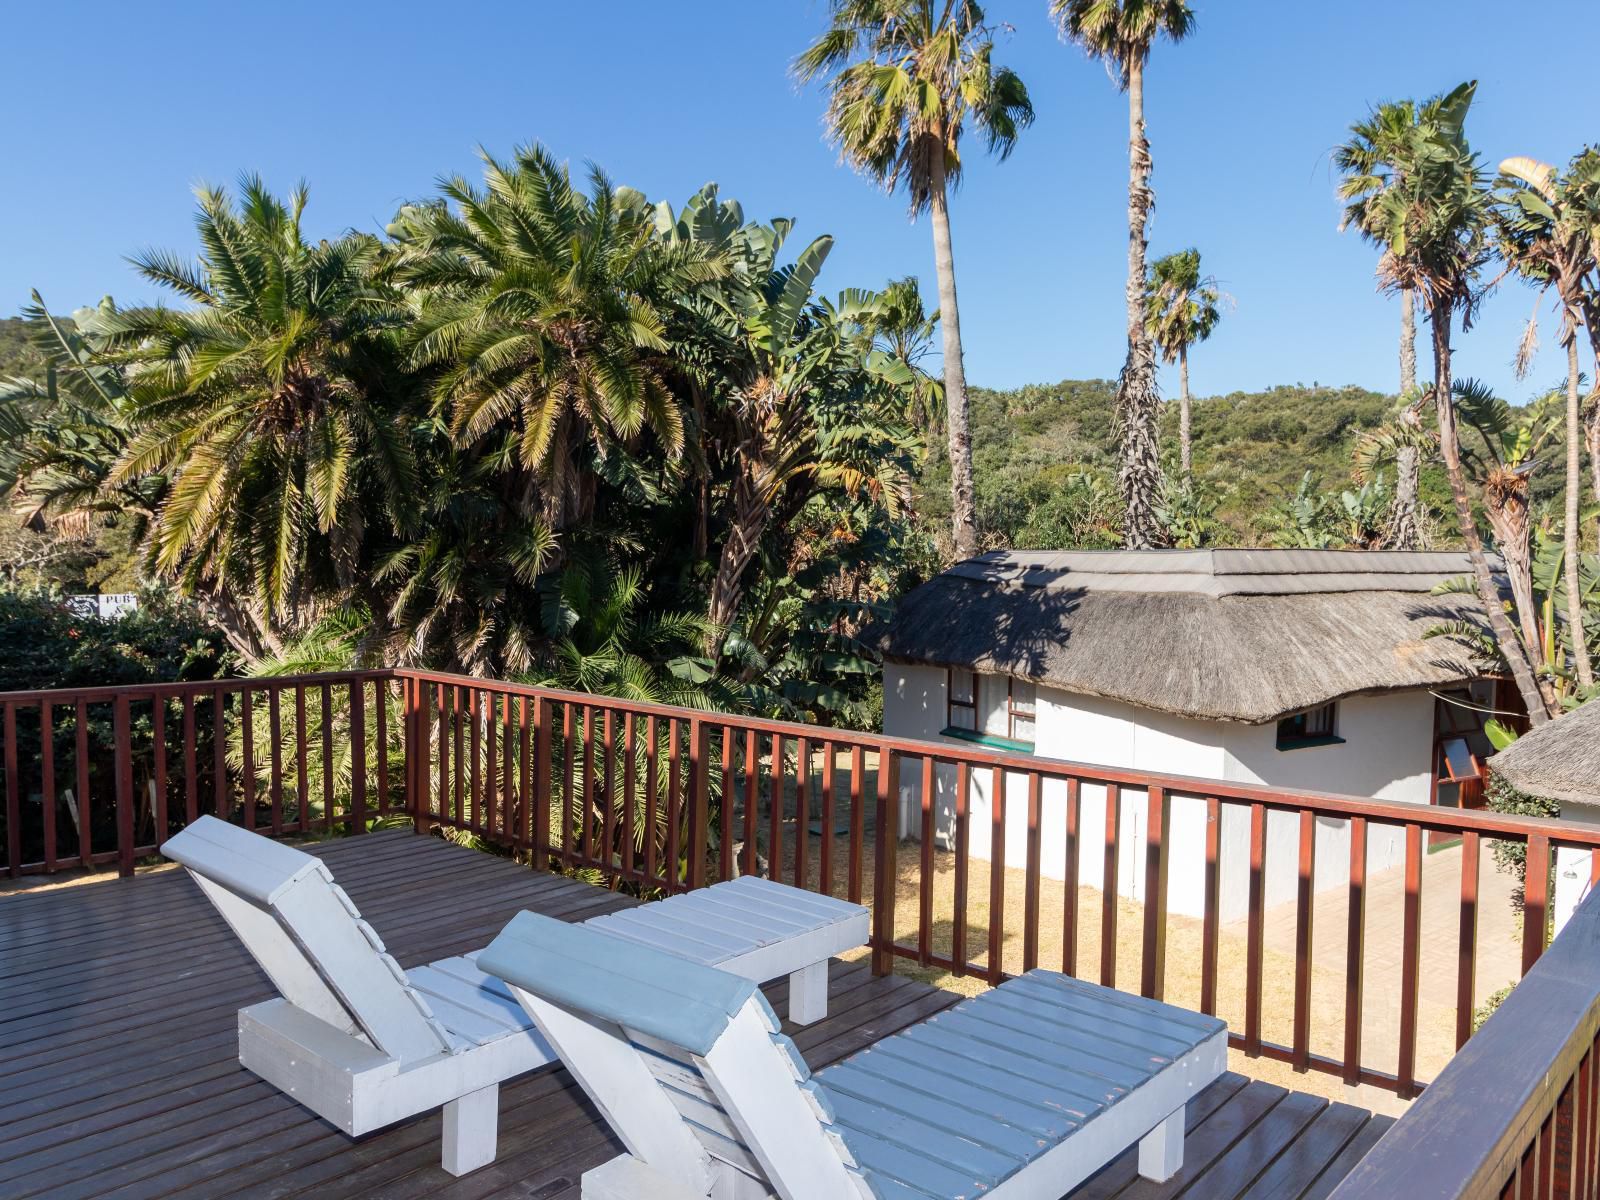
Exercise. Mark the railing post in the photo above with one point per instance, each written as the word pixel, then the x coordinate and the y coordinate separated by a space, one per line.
pixel 699 818
pixel 1535 900
pixel 416 752
pixel 13 801
pixel 358 757
pixel 541 784
pixel 884 867
pixel 124 784
pixel 1153 968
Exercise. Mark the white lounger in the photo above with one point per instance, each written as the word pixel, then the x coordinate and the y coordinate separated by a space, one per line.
pixel 1019 1094
pixel 363 1043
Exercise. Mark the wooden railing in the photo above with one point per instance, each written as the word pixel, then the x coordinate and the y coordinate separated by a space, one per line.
pixel 1517 1113
pixel 105 775
pixel 661 799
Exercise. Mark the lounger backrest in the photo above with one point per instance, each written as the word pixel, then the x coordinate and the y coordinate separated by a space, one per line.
pixel 687 1063
pixel 308 937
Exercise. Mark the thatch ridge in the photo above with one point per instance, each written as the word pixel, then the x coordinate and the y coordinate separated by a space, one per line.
pixel 1559 760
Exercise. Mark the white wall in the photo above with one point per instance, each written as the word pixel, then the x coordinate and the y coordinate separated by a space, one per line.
pixel 1572 865
pixel 1386 755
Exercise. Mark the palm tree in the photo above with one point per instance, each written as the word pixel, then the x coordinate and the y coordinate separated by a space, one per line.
pixel 1121 33
pixel 1433 222
pixel 905 78
pixel 1503 460
pixel 1181 310
pixel 270 406
pixel 808 405
pixel 1549 232
pixel 543 310
pixel 1374 160
pixel 60 435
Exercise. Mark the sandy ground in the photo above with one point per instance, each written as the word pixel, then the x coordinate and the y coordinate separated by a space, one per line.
pixel 1498 957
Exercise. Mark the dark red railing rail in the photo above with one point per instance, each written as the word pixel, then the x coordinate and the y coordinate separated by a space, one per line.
pixel 663 799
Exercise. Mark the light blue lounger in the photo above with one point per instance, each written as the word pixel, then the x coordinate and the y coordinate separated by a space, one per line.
pixel 1018 1094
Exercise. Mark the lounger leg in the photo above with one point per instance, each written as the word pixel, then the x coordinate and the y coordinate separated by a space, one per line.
pixel 808 994
pixel 470 1129
pixel 1161 1150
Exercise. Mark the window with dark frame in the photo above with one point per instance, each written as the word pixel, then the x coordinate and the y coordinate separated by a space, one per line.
pixel 1021 709
pixel 1314 727
pixel 963 700
pixel 1017 710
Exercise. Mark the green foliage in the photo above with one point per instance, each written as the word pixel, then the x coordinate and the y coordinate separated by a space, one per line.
pixel 43 644
pixel 265 401
pixel 1044 460
pixel 1512 857
pixel 904 81
pixel 1351 518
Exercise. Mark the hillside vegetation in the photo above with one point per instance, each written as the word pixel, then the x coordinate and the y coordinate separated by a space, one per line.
pixel 1045 460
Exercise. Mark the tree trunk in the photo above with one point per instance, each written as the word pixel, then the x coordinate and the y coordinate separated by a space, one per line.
pixel 1405 528
pixel 1505 636
pixel 750 516
pixel 1573 531
pixel 1594 447
pixel 964 525
pixel 1138 401
pixel 1185 450
pixel 1408 343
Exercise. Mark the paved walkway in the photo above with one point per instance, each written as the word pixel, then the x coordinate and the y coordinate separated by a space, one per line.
pixel 1499 954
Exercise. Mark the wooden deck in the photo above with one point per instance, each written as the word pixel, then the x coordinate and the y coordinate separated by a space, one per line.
pixel 118 1076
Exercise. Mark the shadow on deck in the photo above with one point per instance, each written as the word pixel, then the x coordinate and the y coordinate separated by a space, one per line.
pixel 117 1035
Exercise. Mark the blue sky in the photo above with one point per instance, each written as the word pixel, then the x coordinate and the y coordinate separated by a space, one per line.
pixel 114 111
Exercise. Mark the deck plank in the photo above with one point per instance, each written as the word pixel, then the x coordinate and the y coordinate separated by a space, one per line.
pixel 117 1034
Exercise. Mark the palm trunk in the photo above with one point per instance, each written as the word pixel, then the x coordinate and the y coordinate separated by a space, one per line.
pixel 1594 449
pixel 964 525
pixel 1574 534
pixel 1185 449
pixel 1405 529
pixel 1138 401
pixel 744 538
pixel 1511 649
pixel 1408 342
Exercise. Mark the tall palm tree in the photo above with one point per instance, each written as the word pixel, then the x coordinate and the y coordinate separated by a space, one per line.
pixel 1182 308
pixel 1433 222
pixel 269 404
pixel 543 311
pixel 1549 232
pixel 1121 33
pixel 1375 159
pixel 905 77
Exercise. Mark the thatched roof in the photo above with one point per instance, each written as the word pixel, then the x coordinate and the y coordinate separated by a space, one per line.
pixel 1237 635
pixel 1559 760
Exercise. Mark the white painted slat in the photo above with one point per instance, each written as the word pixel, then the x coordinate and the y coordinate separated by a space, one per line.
pixel 658 939
pixel 508 1014
pixel 657 919
pixel 823 906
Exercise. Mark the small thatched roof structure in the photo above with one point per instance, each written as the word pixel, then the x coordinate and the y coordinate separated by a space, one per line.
pixel 1559 760
pixel 1235 635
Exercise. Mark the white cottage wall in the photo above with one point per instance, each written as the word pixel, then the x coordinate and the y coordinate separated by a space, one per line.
pixel 1386 754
